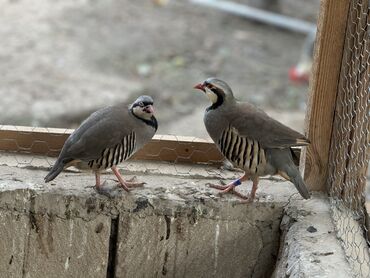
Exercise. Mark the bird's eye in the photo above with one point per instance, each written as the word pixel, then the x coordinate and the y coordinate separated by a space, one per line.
pixel 141 104
pixel 210 86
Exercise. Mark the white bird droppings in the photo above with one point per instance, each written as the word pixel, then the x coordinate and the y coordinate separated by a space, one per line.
pixel 217 234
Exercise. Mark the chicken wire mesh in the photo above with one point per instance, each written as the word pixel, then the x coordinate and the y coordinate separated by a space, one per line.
pixel 38 148
pixel 350 141
pixel 165 156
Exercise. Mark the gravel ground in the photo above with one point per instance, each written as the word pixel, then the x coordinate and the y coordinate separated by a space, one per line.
pixel 60 60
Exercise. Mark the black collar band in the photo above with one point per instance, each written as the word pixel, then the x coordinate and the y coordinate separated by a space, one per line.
pixel 152 122
pixel 219 102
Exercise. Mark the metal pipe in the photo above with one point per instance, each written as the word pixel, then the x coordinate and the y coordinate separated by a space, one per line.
pixel 274 19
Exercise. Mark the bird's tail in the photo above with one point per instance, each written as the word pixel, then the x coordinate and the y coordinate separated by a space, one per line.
pixel 297 180
pixel 55 171
pixel 284 162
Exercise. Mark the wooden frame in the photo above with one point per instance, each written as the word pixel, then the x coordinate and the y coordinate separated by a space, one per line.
pixel 49 142
pixel 324 82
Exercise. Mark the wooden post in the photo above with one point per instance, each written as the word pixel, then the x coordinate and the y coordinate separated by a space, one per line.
pixel 323 90
pixel 350 137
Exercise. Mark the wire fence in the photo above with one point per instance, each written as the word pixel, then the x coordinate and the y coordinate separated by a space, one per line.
pixel 180 156
pixel 39 147
pixel 349 155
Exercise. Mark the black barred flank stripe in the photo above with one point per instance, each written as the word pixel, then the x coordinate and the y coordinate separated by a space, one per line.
pixel 241 151
pixel 106 158
pixel 132 139
pixel 115 155
pixel 127 147
pixel 246 154
pixel 123 144
pixel 228 143
pixel 235 152
pixel 251 155
pixel 258 153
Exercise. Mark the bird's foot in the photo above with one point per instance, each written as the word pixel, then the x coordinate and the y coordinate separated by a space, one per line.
pixel 134 183
pixel 130 183
pixel 230 188
pixel 101 189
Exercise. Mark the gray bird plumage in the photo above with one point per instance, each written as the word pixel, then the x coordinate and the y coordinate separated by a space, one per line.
pixel 249 138
pixel 108 137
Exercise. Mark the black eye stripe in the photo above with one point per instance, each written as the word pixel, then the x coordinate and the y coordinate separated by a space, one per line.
pixel 144 103
pixel 214 89
pixel 210 86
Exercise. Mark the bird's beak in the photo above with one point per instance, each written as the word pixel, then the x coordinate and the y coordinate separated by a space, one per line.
pixel 200 86
pixel 149 109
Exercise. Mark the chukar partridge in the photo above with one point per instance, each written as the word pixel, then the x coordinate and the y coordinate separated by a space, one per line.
pixel 250 139
pixel 106 138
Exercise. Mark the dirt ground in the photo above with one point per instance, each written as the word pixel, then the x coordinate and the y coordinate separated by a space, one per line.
pixel 60 60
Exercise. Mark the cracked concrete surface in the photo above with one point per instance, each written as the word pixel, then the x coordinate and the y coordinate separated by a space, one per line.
pixel 310 247
pixel 174 226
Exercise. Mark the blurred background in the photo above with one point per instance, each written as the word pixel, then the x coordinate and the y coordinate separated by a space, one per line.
pixel 62 60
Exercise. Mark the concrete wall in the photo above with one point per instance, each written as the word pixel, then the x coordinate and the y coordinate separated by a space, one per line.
pixel 67 231
pixel 172 227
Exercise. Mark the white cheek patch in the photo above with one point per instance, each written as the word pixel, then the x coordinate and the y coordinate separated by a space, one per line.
pixel 137 111
pixel 211 95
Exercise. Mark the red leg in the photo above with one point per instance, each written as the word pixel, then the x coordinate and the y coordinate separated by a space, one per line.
pixel 230 188
pixel 125 185
pixel 254 189
pixel 99 186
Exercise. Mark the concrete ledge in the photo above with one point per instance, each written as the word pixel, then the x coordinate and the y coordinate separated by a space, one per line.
pixel 176 226
pixel 309 246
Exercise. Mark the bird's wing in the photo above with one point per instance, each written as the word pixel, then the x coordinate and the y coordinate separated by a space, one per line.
pixel 103 129
pixel 253 123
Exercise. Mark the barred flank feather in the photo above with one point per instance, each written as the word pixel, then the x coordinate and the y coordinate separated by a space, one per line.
pixel 241 151
pixel 115 155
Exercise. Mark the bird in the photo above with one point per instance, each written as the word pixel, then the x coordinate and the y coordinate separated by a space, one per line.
pixel 250 139
pixel 106 138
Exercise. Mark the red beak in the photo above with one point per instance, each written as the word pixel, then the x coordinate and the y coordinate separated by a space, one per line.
pixel 200 86
pixel 150 109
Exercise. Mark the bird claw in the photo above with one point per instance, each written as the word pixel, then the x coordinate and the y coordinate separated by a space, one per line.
pixel 135 184
pixel 130 182
pixel 129 186
pixel 132 179
pixel 217 186
pixel 230 189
